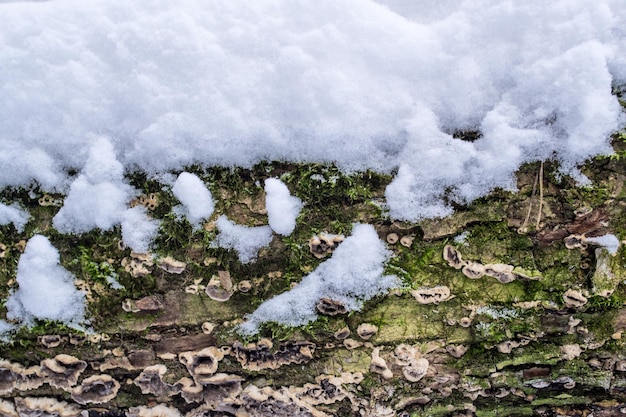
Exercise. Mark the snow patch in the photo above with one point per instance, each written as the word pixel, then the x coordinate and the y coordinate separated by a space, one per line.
pixel 352 275
pixel 46 289
pixel 282 208
pixel 247 241
pixel 196 199
pixel 14 214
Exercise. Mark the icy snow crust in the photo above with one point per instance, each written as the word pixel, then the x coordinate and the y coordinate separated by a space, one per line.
pixel 358 83
pixel 352 275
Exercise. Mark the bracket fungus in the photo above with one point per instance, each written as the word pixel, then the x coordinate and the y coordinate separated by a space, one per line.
pixel 574 299
pixel 392 238
pixel 62 371
pixel 159 410
pixel 366 331
pixel 379 366
pixel 330 307
pixel 257 357
pixel 171 265
pixel 407 240
pixel 473 270
pixel 432 295
pixel 43 406
pixel 50 340
pixel 324 244
pixel 501 272
pixel 342 333
pixel 416 370
pixel 219 287
pixel 147 304
pixel 201 364
pixel 453 257
pixel 96 389
pixel 150 381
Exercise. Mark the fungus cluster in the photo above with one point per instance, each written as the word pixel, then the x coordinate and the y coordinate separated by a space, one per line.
pixel 504 273
pixel 432 295
pixel 324 244
pixel 259 356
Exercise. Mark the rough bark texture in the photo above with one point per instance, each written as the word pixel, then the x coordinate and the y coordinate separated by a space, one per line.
pixel 519 323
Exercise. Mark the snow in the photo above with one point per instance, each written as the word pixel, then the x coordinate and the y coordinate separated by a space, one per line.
pixel 46 290
pixel 365 84
pixel 14 214
pixel 609 241
pixel 195 197
pixel 352 275
pixel 247 241
pixel 282 207
pixel 105 88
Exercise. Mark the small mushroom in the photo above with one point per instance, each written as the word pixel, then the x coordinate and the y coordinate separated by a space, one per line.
pixel 575 241
pixel 330 307
pixel 473 270
pixel 366 331
pixel 574 299
pixel 453 257
pixel 96 389
pixel 392 238
pixel 379 366
pixel 244 286
pixel 407 240
pixel 171 265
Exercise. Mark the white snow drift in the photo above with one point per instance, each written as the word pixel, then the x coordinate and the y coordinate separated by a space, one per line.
pixel 352 275
pixel 196 199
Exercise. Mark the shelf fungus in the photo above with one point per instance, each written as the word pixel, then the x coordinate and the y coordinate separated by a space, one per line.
pixel 502 272
pixel 14 376
pixel 453 257
pixel 324 244
pixel 219 287
pixel 392 238
pixel 50 340
pixel 366 331
pixel 62 371
pixel 201 364
pixel 256 357
pixel 342 333
pixel 148 304
pixel 150 381
pixel 432 295
pixel 574 299
pixel 414 366
pixel 159 410
pixel 473 270
pixel 43 406
pixel 330 307
pixel 213 391
pixel 379 366
pixel 96 389
pixel 171 265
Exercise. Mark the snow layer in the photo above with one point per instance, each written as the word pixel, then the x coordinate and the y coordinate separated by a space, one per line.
pixel 365 84
pixel 245 240
pixel 46 290
pixel 195 197
pixel 609 241
pixel 282 207
pixel 352 275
